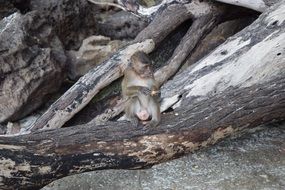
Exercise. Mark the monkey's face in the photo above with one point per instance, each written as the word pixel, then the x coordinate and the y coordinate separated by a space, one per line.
pixel 144 70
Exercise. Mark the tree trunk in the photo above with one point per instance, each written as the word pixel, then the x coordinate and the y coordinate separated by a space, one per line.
pixel 238 86
pixel 34 160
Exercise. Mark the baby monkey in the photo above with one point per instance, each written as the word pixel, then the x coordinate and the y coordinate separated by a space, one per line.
pixel 140 91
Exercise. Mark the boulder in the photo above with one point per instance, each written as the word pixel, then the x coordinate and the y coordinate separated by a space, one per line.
pixel 32 61
pixel 73 20
pixel 93 51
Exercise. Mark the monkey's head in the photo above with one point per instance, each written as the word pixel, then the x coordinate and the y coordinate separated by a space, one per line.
pixel 142 64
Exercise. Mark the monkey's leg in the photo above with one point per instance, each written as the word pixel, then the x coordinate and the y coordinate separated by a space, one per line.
pixel 131 110
pixel 154 110
pixel 144 102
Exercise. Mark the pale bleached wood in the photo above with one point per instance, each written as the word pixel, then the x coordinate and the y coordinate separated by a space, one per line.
pixel 257 5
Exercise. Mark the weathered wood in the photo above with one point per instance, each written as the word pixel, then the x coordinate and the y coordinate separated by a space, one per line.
pixel 27 64
pixel 87 86
pixel 198 29
pixel 33 160
pixel 107 4
pixel 251 56
pixel 257 5
pixel 173 16
pixel 187 44
pixel 200 26
pixel 150 12
pixel 251 51
pixel 216 37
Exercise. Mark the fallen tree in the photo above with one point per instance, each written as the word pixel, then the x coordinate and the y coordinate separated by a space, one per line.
pixel 31 161
pixel 238 86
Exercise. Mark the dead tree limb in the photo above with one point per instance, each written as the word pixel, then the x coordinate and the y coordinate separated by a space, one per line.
pixel 150 12
pixel 173 16
pixel 187 44
pixel 257 5
pixel 198 29
pixel 252 55
pixel 31 161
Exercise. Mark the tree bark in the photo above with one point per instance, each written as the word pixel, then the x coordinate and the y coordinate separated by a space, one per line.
pixel 150 12
pixel 33 160
pixel 251 56
pixel 240 85
pixel 257 5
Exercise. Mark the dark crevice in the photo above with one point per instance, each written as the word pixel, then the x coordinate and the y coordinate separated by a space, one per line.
pixel 166 48
pixel 22 5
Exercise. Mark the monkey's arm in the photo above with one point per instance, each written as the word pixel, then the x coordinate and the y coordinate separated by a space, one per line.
pixel 155 91
pixel 133 91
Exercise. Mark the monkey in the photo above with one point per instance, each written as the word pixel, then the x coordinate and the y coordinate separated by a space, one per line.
pixel 140 90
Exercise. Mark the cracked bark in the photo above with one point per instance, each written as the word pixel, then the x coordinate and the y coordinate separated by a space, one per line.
pixel 33 160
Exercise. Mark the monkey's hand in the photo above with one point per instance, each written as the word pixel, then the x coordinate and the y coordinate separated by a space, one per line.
pixel 155 93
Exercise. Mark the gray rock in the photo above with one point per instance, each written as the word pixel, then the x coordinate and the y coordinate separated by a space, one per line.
pixel 73 20
pixel 93 51
pixel 121 25
pixel 32 59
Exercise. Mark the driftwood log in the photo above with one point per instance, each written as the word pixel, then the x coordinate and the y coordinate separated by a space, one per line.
pixel 33 160
pixel 238 86
pixel 150 12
